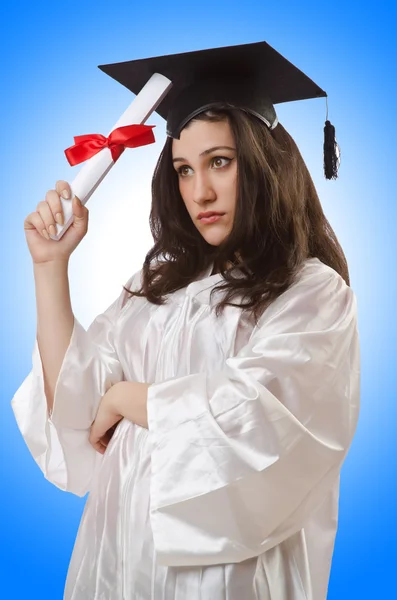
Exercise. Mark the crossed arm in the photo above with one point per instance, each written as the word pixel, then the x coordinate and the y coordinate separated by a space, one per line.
pixel 126 399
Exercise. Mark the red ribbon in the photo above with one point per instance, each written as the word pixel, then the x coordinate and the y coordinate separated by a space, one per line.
pixel 129 136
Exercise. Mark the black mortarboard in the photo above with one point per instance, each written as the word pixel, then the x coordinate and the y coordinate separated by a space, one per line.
pixel 253 77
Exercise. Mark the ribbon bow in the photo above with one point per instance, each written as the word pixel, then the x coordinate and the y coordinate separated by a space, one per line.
pixel 129 136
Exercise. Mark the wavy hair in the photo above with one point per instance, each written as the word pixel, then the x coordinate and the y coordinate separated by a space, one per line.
pixel 279 223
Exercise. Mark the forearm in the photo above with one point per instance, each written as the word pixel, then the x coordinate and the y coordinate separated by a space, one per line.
pixel 55 320
pixel 131 402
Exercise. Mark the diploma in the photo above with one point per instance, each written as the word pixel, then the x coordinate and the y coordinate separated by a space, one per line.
pixel 98 166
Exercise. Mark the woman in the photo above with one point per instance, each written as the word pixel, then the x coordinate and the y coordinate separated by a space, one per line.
pixel 210 437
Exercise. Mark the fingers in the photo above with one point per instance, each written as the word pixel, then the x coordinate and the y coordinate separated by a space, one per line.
pixel 95 441
pixel 47 210
pixel 99 447
pixel 34 221
pixel 50 211
pixel 63 189
pixel 100 444
pixel 54 202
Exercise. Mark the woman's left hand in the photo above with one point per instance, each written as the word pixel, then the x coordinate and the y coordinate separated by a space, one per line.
pixel 106 419
pixel 126 399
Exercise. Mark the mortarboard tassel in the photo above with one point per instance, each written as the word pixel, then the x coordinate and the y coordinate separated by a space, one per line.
pixel 331 150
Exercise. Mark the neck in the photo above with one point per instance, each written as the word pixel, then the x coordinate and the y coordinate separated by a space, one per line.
pixel 228 265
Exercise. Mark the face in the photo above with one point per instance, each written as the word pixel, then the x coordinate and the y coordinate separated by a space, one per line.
pixel 205 160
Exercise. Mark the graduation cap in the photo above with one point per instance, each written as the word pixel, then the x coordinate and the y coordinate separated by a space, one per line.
pixel 253 77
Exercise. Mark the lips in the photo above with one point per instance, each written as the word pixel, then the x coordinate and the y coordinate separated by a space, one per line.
pixel 211 213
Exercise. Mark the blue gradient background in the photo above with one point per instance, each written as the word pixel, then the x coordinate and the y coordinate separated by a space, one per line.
pixel 52 90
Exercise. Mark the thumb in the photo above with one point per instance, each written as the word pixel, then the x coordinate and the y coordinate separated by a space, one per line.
pixel 79 211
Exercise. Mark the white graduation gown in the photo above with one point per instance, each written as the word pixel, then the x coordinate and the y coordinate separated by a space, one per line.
pixel 232 492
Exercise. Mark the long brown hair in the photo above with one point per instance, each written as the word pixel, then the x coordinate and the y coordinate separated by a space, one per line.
pixel 279 222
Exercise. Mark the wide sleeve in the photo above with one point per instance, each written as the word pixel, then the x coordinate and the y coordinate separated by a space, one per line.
pixel 59 442
pixel 243 455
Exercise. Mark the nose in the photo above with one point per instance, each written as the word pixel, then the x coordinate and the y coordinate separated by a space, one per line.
pixel 203 190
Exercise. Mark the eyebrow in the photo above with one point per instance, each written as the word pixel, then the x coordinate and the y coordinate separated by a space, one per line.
pixel 209 151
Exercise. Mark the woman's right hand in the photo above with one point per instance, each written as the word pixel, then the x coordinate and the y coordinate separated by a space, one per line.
pixel 40 224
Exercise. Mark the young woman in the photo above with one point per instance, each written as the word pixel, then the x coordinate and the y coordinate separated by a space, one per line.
pixel 209 410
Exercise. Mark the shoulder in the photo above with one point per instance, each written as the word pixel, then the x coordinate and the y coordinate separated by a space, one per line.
pixel 318 298
pixel 318 279
pixel 133 284
pixel 313 271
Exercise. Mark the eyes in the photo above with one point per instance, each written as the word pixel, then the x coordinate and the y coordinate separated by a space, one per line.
pixel 218 162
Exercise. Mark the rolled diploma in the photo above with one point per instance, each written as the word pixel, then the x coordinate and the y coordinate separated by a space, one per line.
pixel 98 166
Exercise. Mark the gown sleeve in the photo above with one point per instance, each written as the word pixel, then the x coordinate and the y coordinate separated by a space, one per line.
pixel 59 442
pixel 243 455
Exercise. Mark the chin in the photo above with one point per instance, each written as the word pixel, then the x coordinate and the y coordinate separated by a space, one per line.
pixel 213 242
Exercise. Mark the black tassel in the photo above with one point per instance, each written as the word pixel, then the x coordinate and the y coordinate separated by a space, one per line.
pixel 331 152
